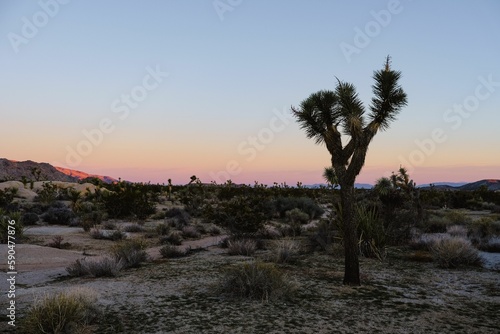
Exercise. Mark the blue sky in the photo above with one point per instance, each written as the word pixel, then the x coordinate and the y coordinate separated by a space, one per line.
pixel 230 69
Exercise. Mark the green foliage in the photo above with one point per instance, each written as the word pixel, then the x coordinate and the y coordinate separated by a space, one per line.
pixel 7 196
pixel 297 216
pixel 48 194
pixel 58 216
pixel 129 200
pixel 242 215
pixel 322 237
pixel 305 204
pixel 371 232
pixel 29 218
pixel 256 280
pixel 64 312
pixel 285 251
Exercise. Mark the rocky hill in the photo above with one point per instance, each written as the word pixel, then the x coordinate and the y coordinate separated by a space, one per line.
pixel 35 171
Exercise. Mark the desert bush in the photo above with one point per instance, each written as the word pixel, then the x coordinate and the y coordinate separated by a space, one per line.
pixel 256 280
pixel 297 216
pixel 162 229
pixel 426 241
pixel 458 217
pixel 457 231
pixel 371 233
pixel 305 204
pixel 131 252
pixel 109 225
pixel 173 238
pixel 285 251
pixel 436 224
pixel 321 237
pixel 245 247
pixel 91 219
pixel 292 229
pixel 178 218
pixel 133 228
pixel 453 252
pixel 170 251
pixel 214 230
pixel 64 312
pixel 103 267
pixel 29 218
pixel 57 242
pixel 58 216
pixel 485 227
pixel 48 194
pixel 190 232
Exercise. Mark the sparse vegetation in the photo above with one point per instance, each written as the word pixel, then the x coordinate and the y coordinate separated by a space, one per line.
pixel 256 280
pixel 130 252
pixel 452 252
pixel 65 312
pixel 103 267
pixel 245 247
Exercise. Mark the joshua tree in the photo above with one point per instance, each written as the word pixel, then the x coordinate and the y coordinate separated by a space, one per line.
pixel 326 116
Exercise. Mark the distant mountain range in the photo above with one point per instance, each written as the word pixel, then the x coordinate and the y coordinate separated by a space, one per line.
pixel 16 170
pixel 30 170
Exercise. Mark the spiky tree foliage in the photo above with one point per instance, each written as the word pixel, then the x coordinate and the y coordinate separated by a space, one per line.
pixel 328 116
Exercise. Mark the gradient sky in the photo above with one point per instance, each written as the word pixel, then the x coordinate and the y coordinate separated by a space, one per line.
pixel 234 69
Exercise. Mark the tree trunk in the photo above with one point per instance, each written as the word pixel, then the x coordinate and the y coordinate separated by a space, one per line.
pixel 351 274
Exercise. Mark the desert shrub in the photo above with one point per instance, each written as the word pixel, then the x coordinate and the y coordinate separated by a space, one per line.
pixel 162 229
pixel 64 312
pixel 133 228
pixel 285 251
pixel 241 215
pixel 173 238
pixel 304 204
pixel 270 232
pixel 96 233
pixel 292 229
pixel 129 199
pixel 372 237
pixel 321 237
pixel 177 217
pixel 297 216
pixel 453 252
pixel 245 247
pixel 420 256
pixel 130 252
pixel 109 225
pixel 57 242
pixel 29 218
pixel 190 232
pixel 214 230
pixel 426 241
pixel 458 217
pixel 256 280
pixel 485 227
pixel 58 216
pixel 91 219
pixel 48 194
pixel 7 196
pixel 457 231
pixel 170 251
pixel 436 224
pixel 103 267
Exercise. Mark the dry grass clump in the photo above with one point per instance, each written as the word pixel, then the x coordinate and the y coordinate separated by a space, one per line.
pixel 285 251
pixel 66 312
pixel 130 252
pixel 453 252
pixel 104 267
pixel 133 228
pixel 174 238
pixel 170 252
pixel 190 232
pixel 256 280
pixel 245 247
pixel 115 235
pixel 457 231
